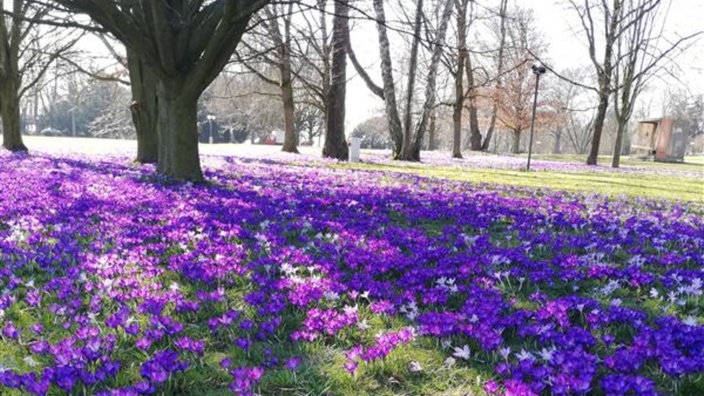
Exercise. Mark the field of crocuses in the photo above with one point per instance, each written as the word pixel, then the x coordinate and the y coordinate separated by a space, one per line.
pixel 283 278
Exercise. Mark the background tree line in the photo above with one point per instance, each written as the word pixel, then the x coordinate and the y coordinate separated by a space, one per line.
pixel 451 74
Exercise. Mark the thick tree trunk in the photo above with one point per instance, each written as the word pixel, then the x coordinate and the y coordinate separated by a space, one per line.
pixel 335 142
pixel 516 145
pixel 178 133
pixel 144 109
pixel 290 138
pixel 10 113
pixel 598 128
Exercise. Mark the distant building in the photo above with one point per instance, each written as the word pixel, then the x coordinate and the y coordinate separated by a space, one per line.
pixel 659 139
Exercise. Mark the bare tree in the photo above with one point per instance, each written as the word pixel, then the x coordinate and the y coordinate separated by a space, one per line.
pixel 244 103
pixel 564 97
pixel 639 58
pixel 579 133
pixel 503 16
pixel 613 24
pixel 406 136
pixel 185 44
pixel 309 121
pixel 271 45
pixel 611 16
pixel 311 42
pixel 513 97
pixel 461 7
pixel 335 142
pixel 389 89
pixel 24 61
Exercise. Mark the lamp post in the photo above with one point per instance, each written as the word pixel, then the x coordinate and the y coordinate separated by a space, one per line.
pixel 538 70
pixel 211 118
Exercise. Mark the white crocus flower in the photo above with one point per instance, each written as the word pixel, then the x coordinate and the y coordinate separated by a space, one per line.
pixel 462 353
pixel 505 352
pixel 415 367
pixel 525 355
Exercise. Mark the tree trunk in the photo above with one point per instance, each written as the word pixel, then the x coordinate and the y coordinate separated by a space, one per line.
pixel 618 144
pixel 598 128
pixel 290 138
pixel 412 153
pixel 458 106
pixel 516 146
pixel 178 133
pixel 144 109
pixel 335 142
pixel 395 128
pixel 410 88
pixel 475 136
pixel 10 113
pixel 457 131
pixel 557 144
pixel 499 71
pixel 432 131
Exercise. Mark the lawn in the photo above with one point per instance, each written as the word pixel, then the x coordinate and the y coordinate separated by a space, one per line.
pixel 636 178
pixel 304 277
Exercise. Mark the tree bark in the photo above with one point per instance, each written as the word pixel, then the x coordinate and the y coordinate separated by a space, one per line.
pixel 598 128
pixel 290 138
pixel 458 106
pixel 475 136
pixel 499 69
pixel 10 76
pixel 410 88
pixel 285 68
pixel 144 109
pixel 412 152
pixel 516 145
pixel 618 145
pixel 335 142
pixel 557 144
pixel 432 131
pixel 10 113
pixel 395 128
pixel 604 71
pixel 178 133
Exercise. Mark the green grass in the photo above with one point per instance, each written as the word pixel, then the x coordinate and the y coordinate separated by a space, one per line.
pixel 691 163
pixel 646 185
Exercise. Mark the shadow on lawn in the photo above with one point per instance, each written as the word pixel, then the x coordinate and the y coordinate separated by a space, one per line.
pixel 321 372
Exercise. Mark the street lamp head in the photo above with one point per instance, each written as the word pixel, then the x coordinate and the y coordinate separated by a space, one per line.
pixel 211 117
pixel 538 68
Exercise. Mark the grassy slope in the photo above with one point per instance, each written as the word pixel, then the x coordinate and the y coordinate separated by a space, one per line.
pixel 650 185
